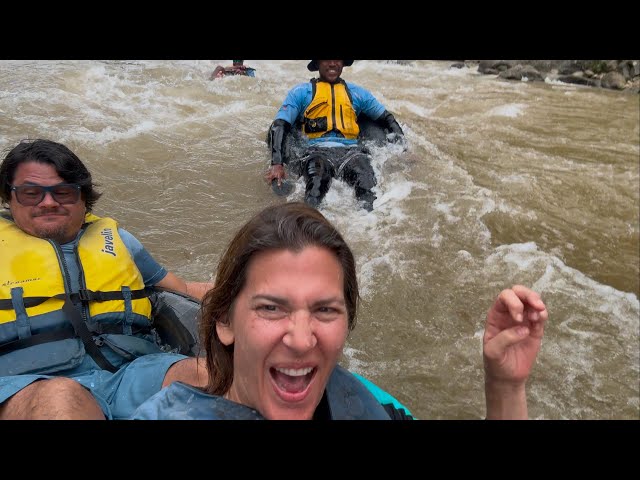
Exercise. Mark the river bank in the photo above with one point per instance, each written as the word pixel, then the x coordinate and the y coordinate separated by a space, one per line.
pixel 611 74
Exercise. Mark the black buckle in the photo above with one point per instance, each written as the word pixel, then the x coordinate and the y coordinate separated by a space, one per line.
pixel 85 295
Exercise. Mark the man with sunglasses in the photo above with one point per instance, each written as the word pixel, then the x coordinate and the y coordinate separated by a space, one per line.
pixel 75 317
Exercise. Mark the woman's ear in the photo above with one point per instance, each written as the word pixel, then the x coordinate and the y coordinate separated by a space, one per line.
pixel 224 330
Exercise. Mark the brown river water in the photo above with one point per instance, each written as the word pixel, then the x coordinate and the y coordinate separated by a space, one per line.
pixel 503 182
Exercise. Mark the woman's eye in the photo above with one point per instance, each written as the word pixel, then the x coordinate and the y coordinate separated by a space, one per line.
pixel 327 313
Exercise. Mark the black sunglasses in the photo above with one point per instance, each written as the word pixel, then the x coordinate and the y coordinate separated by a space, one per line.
pixel 32 195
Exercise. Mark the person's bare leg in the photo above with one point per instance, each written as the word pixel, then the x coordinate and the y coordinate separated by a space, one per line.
pixel 54 399
pixel 192 371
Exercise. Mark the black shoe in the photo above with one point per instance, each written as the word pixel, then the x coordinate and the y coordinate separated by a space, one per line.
pixel 366 198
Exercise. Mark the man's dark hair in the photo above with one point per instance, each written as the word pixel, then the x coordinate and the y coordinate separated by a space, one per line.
pixel 66 163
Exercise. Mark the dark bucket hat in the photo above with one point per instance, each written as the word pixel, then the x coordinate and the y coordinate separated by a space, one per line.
pixel 313 65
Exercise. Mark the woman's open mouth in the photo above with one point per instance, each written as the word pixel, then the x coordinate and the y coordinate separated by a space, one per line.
pixel 292 384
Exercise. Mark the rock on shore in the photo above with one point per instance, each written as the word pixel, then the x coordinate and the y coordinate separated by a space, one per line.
pixel 612 74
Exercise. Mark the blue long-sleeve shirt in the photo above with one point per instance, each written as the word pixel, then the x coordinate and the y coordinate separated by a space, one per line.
pixel 300 96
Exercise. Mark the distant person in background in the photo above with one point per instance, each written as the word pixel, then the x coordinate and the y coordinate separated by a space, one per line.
pixel 238 68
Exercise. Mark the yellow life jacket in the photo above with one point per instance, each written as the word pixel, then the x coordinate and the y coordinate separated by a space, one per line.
pixel 35 265
pixel 330 109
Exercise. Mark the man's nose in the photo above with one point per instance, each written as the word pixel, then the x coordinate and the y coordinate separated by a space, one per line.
pixel 48 200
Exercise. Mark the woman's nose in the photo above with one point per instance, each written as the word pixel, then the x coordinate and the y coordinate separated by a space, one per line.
pixel 300 335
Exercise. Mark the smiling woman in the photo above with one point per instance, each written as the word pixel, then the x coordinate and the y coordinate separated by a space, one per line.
pixel 290 320
pixel 274 327
pixel 275 324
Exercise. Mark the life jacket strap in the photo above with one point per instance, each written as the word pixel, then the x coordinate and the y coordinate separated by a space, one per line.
pixel 83 295
pixel 37 339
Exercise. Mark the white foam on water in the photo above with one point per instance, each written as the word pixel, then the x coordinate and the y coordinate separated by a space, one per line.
pixel 371 229
pixel 553 275
pixel 511 110
pixel 414 108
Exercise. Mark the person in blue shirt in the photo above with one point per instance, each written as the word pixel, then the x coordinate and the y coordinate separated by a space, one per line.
pixel 275 325
pixel 237 68
pixel 328 110
pixel 77 340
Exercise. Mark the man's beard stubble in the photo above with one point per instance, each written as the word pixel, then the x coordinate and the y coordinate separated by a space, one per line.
pixel 57 233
